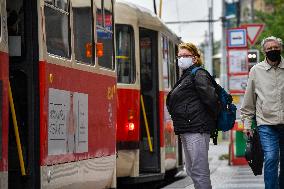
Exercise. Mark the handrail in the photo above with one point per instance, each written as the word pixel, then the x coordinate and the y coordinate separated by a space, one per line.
pixel 146 124
pixel 18 141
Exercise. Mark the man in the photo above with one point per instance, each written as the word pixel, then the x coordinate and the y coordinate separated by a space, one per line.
pixel 264 99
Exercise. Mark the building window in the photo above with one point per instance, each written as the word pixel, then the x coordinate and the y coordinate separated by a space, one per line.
pixel 57 27
pixel 82 25
pixel 104 27
pixel 125 54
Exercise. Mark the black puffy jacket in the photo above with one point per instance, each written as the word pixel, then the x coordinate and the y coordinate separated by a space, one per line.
pixel 193 103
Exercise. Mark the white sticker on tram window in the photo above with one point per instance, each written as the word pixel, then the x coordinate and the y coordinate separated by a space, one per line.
pixel 80 110
pixel 59 106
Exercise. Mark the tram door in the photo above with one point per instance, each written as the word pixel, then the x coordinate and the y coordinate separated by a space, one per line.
pixel 3 97
pixel 149 160
pixel 22 27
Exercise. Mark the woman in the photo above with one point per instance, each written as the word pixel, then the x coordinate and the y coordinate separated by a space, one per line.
pixel 192 104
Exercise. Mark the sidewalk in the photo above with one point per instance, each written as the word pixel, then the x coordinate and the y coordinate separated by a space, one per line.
pixel 223 176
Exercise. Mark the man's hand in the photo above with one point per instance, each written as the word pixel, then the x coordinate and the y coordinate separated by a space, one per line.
pixel 247 132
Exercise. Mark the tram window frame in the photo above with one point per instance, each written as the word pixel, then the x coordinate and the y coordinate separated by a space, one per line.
pixel 172 64
pixel 0 28
pixel 81 50
pixel 107 60
pixel 121 66
pixel 16 31
pixel 64 52
pixel 1 107
pixel 165 59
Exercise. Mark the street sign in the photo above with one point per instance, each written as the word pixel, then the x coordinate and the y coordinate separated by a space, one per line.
pixel 238 83
pixel 237 38
pixel 237 61
pixel 253 31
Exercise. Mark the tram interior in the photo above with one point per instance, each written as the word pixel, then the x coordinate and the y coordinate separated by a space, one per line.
pixel 19 75
pixel 149 89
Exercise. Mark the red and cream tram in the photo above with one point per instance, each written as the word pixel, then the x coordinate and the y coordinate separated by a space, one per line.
pixel 58 58
pixel 145 56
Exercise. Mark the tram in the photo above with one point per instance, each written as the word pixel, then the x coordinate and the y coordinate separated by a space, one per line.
pixel 57 76
pixel 146 71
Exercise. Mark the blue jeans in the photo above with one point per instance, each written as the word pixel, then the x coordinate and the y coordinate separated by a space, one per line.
pixel 272 141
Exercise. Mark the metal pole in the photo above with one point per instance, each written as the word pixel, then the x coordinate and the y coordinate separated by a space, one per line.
pixel 252 10
pixel 161 6
pixel 155 9
pixel 209 64
pixel 223 75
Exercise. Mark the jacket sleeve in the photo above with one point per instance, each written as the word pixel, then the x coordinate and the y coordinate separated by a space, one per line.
pixel 207 92
pixel 168 102
pixel 248 106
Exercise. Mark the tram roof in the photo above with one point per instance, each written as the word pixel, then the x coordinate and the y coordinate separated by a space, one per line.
pixel 142 16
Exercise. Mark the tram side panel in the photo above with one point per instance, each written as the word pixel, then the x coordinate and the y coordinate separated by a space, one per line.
pixel 77 109
pixel 4 107
pixel 78 125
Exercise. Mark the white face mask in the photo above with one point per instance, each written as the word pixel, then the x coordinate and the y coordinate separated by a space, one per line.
pixel 184 63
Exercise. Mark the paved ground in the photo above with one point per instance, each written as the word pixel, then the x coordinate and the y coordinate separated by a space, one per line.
pixel 224 176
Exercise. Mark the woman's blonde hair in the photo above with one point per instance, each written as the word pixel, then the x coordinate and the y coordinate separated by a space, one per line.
pixel 193 49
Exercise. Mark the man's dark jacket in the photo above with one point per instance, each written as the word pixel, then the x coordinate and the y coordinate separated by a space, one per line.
pixel 193 103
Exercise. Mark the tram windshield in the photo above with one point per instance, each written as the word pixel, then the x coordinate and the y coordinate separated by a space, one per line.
pixel 125 54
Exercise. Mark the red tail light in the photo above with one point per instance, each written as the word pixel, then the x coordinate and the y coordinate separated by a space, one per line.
pixel 131 126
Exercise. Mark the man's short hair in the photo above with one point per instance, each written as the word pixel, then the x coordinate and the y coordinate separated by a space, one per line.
pixel 271 38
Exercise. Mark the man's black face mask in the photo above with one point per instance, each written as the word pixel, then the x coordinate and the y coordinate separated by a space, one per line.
pixel 274 55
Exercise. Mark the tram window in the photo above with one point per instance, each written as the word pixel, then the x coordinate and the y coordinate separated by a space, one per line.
pixel 15 24
pixel 99 13
pixel 125 54
pixel 62 4
pixel 172 67
pixel 82 16
pixel 146 53
pixel 104 29
pixel 57 29
pixel 165 53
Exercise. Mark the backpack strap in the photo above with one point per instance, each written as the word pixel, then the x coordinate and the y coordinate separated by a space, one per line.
pixel 194 71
